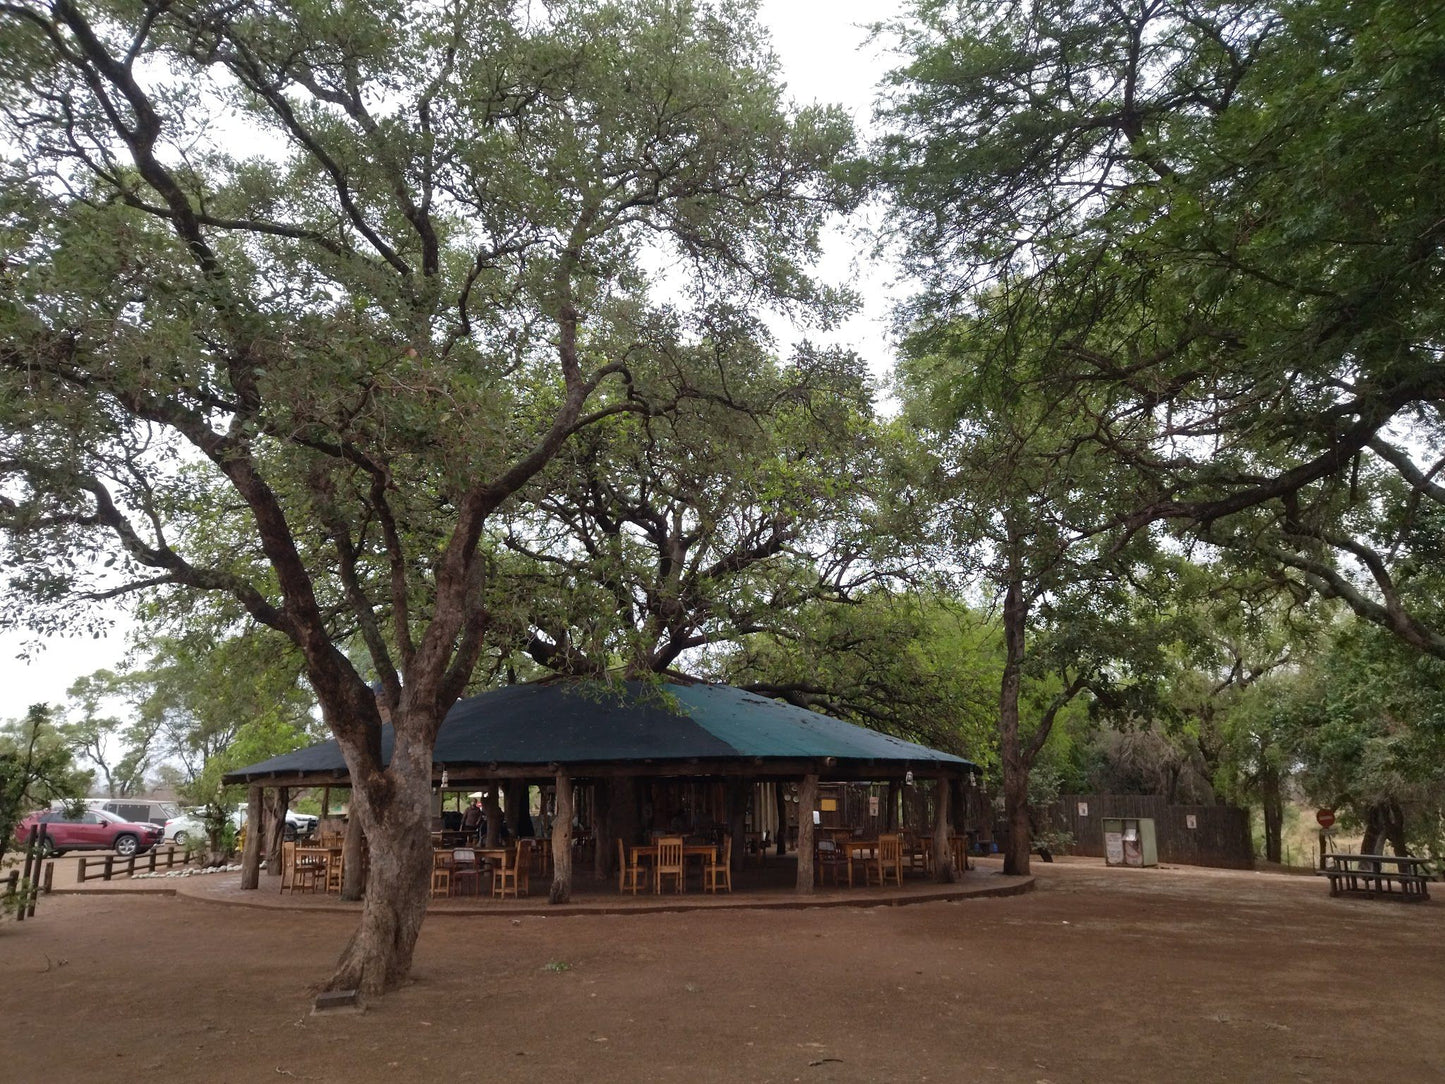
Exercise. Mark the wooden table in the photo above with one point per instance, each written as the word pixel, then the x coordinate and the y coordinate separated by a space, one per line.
pixel 1371 875
pixel 318 862
pixel 638 852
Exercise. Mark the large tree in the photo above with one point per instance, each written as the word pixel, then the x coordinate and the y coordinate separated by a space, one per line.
pixel 345 280
pixel 1228 222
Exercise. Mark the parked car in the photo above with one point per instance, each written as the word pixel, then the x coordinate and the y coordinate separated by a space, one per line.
pixel 297 824
pixel 138 810
pixel 90 830
pixel 181 830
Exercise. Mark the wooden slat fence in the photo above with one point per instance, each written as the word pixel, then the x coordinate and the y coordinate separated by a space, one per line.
pixel 1220 836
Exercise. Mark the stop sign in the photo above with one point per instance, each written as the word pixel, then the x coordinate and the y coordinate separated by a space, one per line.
pixel 1326 817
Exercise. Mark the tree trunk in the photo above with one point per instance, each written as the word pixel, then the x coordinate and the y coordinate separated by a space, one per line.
pixel 1271 797
pixel 561 890
pixel 943 871
pixel 1015 767
pixel 807 802
pixel 251 853
pixel 393 809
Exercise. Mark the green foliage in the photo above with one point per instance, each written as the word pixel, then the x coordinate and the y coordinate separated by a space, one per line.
pixel 36 768
pixel 1218 229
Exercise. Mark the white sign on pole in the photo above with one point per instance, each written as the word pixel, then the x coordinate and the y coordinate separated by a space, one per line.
pixel 1083 809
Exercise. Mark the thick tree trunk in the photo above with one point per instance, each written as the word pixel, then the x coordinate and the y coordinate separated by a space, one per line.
pixel 807 803
pixel 393 809
pixel 943 871
pixel 251 853
pixel 561 890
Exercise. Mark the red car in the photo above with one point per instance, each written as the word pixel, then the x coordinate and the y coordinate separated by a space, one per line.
pixel 90 830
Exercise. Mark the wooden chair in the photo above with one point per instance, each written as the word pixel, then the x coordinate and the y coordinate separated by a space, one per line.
pixel 466 872
pixel 335 871
pixel 288 866
pixel 524 867
pixel 889 857
pixel 505 874
pixel 829 857
pixel 308 870
pixel 441 875
pixel 719 873
pixel 669 863
pixel 629 874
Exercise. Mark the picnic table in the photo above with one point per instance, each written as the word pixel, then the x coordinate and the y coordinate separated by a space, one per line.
pixel 1371 874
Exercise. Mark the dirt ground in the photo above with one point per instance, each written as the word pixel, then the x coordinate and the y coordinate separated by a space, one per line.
pixel 1100 975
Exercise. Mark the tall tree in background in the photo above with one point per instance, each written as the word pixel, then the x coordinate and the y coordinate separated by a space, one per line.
pixel 346 281
pixel 36 767
pixel 1227 222
pixel 738 497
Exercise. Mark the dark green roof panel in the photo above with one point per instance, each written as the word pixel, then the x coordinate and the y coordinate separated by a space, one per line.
pixel 588 722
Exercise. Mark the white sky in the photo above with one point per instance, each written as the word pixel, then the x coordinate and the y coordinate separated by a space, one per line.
pixel 820 48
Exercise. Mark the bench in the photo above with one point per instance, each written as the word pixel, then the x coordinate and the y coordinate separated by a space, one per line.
pixel 1371 875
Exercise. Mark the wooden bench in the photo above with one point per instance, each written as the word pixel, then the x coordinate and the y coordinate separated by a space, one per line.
pixel 1372 875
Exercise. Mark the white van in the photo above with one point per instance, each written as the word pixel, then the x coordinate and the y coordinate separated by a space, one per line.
pixel 138 810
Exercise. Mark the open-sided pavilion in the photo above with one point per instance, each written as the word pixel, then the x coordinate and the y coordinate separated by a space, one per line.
pixel 630 755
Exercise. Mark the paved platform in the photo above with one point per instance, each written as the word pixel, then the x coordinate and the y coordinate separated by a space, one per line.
pixel 591 896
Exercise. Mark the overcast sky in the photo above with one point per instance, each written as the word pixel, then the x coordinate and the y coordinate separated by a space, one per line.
pixel 823 60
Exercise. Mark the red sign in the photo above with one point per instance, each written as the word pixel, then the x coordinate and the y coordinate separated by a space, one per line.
pixel 1326 817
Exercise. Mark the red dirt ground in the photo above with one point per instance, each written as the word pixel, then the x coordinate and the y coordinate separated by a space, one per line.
pixel 1100 975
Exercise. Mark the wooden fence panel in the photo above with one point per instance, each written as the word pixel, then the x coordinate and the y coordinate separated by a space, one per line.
pixel 1220 836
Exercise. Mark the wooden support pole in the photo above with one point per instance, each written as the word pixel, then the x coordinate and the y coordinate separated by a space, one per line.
pixel 325 802
pixel 276 829
pixel 49 876
pixel 561 890
pixel 737 799
pixel 807 803
pixel 353 859
pixel 493 810
pixel 943 871
pixel 251 853
pixel 780 792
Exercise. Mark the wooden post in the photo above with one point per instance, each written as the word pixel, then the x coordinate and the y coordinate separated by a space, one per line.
pixel 780 796
pixel 943 871
pixel 34 891
pixel 80 872
pixel 49 876
pixel 737 799
pixel 276 828
pixel 251 853
pixel 493 810
pixel 562 842
pixel 353 858
pixel 807 803
pixel 108 868
pixel 325 803
pixel 27 870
